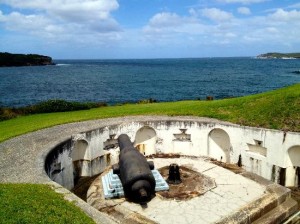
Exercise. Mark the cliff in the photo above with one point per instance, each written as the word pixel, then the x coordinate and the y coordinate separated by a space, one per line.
pixel 8 60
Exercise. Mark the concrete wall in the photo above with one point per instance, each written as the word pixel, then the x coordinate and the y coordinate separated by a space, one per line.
pixel 271 154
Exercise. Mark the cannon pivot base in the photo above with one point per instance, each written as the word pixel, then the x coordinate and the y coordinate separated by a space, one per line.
pixel 113 188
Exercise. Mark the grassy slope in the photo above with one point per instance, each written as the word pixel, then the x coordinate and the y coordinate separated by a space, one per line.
pixel 279 109
pixel 31 203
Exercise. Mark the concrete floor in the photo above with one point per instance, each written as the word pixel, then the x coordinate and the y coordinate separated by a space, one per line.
pixel 232 192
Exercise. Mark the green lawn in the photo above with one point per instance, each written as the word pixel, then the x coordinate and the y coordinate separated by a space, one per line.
pixel 32 203
pixel 279 109
pixel 19 203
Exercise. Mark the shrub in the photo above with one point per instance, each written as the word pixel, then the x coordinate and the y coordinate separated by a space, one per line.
pixel 48 106
pixel 7 113
pixel 145 101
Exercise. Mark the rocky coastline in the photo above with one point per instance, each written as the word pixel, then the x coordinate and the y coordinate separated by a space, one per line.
pixel 276 55
pixel 14 60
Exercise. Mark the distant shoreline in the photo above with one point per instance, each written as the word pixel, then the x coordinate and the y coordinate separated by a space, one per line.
pixel 276 55
pixel 18 60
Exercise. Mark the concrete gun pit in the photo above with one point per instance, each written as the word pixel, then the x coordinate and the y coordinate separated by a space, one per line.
pixel 65 155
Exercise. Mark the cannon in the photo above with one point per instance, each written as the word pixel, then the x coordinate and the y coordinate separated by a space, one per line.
pixel 134 172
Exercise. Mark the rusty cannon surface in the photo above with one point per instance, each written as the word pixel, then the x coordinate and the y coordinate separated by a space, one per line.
pixel 134 172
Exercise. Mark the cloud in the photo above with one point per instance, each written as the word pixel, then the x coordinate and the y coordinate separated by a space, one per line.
pixel 242 1
pixel 273 29
pixel 190 30
pixel 165 19
pixel 16 21
pixel 216 14
pixel 280 28
pixel 69 9
pixel 244 11
pixel 50 17
pixel 166 22
pixel 90 26
pixel 285 16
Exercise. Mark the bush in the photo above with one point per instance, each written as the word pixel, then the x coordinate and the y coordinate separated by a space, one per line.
pixel 145 101
pixel 57 105
pixel 7 113
pixel 48 106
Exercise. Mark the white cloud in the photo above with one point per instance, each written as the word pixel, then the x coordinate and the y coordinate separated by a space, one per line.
pixel 88 24
pixel 285 16
pixel 244 11
pixel 242 1
pixel 65 20
pixel 169 22
pixel 216 14
pixel 68 8
pixel 16 21
pixel 80 12
pixel 192 30
pixel 273 29
pixel 165 19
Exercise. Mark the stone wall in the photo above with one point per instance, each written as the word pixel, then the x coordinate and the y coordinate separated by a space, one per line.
pixel 271 154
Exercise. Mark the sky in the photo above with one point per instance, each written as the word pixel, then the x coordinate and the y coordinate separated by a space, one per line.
pixel 117 29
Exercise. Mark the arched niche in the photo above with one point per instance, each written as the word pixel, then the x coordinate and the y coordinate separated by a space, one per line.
pixel 145 140
pixel 219 145
pixel 293 168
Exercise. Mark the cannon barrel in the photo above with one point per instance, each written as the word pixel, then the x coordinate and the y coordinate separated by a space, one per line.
pixel 134 172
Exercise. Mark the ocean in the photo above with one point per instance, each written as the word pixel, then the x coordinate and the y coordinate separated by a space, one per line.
pixel 121 81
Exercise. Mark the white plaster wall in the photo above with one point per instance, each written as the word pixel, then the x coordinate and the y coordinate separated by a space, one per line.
pixel 63 162
pixel 219 145
pixel 80 150
pixel 96 140
pixel 145 140
pixel 274 143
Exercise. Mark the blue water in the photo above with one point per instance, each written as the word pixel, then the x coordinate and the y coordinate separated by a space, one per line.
pixel 119 81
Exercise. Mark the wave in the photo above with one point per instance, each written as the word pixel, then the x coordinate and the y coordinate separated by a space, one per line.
pixel 62 64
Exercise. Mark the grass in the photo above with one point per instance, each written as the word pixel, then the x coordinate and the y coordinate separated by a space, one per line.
pixel 32 203
pixel 278 109
pixel 27 203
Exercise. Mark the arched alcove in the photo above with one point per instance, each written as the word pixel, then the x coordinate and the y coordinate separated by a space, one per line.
pixel 219 145
pixel 145 140
pixel 293 167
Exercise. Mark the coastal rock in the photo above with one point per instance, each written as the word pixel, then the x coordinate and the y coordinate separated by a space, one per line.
pixel 9 60
pixel 276 55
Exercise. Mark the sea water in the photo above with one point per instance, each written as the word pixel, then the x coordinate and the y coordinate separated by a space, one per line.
pixel 119 81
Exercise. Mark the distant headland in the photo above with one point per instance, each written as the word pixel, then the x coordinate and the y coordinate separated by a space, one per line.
pixel 9 60
pixel 276 55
